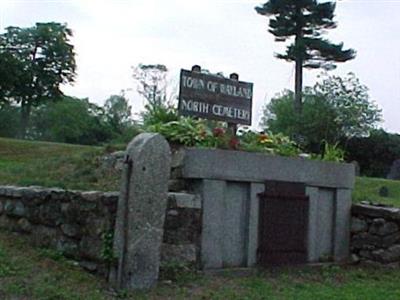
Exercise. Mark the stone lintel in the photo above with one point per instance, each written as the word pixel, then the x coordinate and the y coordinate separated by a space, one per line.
pixel 242 166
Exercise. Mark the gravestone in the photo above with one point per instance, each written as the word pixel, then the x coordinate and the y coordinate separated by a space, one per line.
pixel 356 167
pixel 394 170
pixel 141 212
pixel 384 191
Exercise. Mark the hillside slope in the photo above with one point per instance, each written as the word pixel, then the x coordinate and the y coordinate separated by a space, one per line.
pixel 68 166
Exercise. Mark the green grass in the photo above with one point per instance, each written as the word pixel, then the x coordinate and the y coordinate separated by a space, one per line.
pixel 29 273
pixel 53 165
pixel 367 189
pixel 33 273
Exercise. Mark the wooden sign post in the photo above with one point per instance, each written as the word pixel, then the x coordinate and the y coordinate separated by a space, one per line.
pixel 233 126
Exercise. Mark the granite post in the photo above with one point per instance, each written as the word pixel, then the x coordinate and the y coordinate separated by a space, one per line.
pixel 141 212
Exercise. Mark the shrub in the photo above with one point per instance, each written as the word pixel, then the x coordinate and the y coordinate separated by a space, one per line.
pixel 375 153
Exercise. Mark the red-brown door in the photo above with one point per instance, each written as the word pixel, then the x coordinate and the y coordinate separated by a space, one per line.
pixel 283 220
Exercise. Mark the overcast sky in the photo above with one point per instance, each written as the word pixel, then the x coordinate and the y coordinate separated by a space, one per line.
pixel 110 36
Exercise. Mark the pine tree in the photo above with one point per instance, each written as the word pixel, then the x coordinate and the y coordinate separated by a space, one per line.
pixel 305 21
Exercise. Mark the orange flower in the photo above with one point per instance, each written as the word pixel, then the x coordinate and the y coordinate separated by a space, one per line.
pixel 202 133
pixel 263 138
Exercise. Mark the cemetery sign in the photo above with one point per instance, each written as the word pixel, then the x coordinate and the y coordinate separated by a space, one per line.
pixel 215 97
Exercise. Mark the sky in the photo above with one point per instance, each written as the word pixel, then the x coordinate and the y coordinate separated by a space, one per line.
pixel 112 36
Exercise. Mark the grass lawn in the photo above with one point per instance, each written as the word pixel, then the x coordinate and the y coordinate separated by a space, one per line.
pixel 28 273
pixel 367 189
pixel 34 273
pixel 69 166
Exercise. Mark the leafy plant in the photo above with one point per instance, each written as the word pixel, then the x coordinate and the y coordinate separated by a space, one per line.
pixel 331 153
pixel 34 63
pixel 6 270
pixel 52 254
pixel 156 115
pixel 185 131
pixel 107 252
pixel 375 153
pixel 201 133
pixel 269 143
pixel 335 109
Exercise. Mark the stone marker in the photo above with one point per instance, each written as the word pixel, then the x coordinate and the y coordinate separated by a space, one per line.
pixel 384 191
pixel 141 212
pixel 356 167
pixel 394 170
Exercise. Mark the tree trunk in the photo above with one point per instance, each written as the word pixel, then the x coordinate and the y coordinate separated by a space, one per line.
pixel 25 114
pixel 298 86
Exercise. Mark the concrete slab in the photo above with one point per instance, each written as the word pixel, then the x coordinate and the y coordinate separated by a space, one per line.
pixel 342 225
pixel 258 167
pixel 235 223
pixel 212 236
pixel 326 204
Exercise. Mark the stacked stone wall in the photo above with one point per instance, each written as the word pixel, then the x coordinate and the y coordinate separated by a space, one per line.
pixel 78 224
pixel 375 235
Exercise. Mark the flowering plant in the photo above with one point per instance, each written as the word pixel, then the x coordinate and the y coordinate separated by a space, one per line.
pixel 269 143
pixel 208 134
pixel 201 133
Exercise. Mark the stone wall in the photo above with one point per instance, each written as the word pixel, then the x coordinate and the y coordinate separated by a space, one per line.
pixel 375 235
pixel 77 223
pixel 74 223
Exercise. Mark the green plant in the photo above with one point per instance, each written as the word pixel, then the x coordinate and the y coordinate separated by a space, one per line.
pixel 185 131
pixel 71 120
pixel 177 271
pixel 335 109
pixel 330 153
pixel 200 133
pixel 52 254
pixel 251 141
pixel 158 115
pixel 107 252
pixel 6 270
pixel 333 153
pixel 34 63
pixel 268 143
pixel 374 153
pixel 215 135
